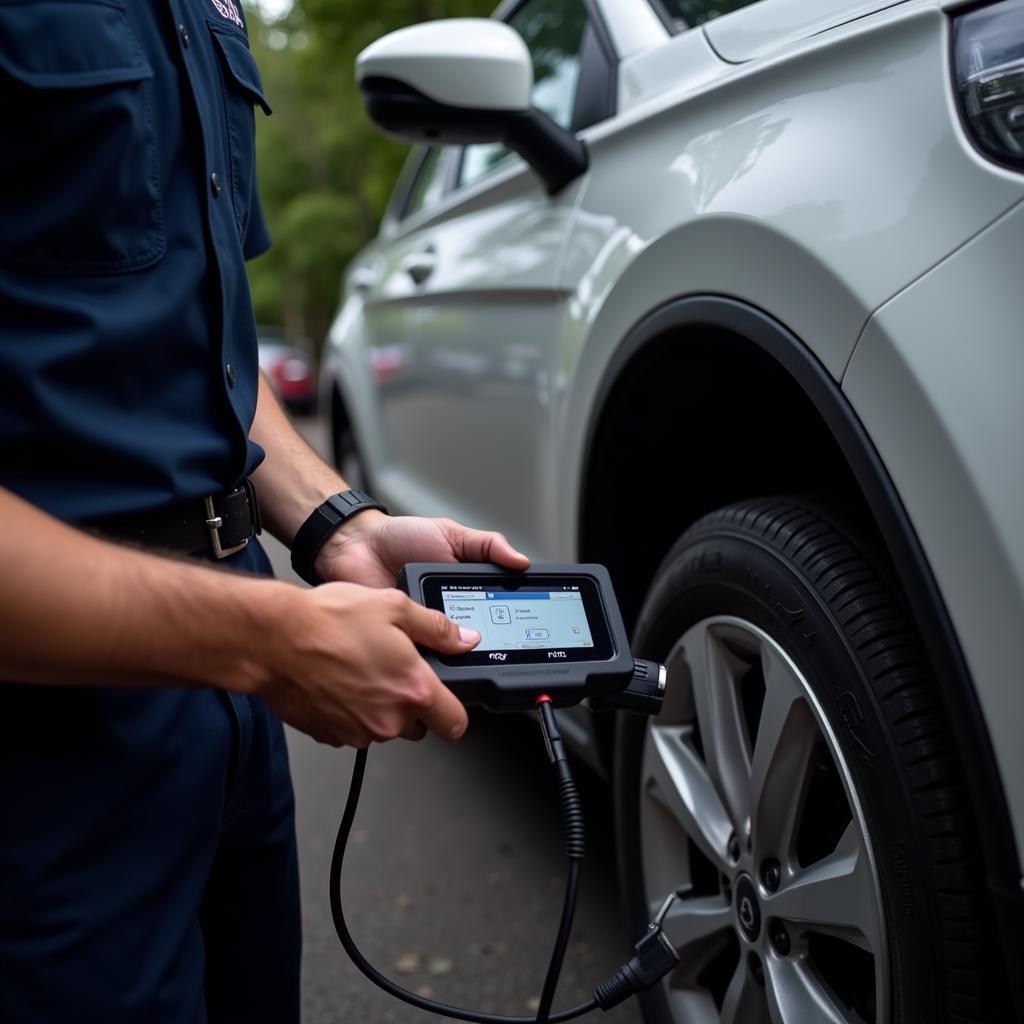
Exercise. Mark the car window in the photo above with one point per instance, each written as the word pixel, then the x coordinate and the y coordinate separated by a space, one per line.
pixel 428 185
pixel 553 32
pixel 687 13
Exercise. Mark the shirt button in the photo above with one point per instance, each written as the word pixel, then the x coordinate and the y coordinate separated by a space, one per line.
pixel 229 370
pixel 215 184
pixel 183 32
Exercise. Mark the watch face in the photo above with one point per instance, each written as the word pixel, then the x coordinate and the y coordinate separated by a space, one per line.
pixel 524 620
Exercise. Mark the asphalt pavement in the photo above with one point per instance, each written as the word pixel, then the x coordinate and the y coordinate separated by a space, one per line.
pixel 455 873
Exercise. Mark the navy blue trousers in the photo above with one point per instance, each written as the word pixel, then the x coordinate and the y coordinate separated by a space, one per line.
pixel 148 867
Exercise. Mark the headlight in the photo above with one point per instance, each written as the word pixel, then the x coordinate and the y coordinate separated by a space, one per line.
pixel 988 52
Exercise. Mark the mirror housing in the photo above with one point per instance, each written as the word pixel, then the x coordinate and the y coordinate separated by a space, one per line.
pixel 463 81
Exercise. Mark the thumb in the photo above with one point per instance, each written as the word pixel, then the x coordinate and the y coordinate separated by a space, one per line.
pixel 435 630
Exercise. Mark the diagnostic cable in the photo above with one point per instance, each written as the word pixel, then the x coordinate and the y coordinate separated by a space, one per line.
pixel 583 630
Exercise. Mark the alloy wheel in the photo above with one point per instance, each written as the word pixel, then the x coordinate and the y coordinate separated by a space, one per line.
pixel 748 808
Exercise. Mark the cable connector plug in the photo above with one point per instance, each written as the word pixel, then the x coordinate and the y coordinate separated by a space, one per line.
pixel 643 696
pixel 549 727
pixel 653 958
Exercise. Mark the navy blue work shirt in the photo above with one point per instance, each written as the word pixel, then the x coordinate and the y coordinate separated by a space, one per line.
pixel 128 206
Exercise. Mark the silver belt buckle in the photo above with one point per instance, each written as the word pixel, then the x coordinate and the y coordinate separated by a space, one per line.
pixel 213 523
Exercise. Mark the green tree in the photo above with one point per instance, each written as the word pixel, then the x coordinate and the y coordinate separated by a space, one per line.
pixel 325 172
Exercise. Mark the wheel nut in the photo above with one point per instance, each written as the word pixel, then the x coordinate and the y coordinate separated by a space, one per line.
pixel 780 939
pixel 734 849
pixel 771 874
pixel 756 968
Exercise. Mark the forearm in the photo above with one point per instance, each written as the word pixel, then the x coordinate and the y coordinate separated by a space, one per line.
pixel 78 610
pixel 293 480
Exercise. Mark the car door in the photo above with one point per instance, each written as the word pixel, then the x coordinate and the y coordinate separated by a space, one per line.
pixel 470 305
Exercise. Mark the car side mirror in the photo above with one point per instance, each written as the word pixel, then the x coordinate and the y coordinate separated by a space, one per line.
pixel 465 80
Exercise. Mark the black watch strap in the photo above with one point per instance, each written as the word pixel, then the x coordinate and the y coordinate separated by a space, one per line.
pixel 321 524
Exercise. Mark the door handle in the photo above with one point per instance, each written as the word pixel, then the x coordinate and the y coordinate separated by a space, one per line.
pixel 420 263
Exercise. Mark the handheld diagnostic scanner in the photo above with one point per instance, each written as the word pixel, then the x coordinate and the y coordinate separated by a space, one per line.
pixel 554 630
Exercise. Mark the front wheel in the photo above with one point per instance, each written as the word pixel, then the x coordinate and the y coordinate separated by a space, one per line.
pixel 347 455
pixel 799 787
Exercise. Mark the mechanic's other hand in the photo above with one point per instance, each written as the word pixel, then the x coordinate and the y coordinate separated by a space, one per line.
pixel 372 547
pixel 344 668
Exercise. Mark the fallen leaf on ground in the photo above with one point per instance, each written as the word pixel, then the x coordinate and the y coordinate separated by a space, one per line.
pixel 408 963
pixel 440 965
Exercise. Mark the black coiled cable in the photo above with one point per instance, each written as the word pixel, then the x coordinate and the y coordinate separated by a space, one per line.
pixel 575 846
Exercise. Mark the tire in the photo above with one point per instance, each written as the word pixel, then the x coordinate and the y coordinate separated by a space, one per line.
pixel 347 456
pixel 803 772
pixel 301 406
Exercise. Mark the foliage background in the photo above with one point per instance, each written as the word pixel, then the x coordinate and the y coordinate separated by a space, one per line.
pixel 325 173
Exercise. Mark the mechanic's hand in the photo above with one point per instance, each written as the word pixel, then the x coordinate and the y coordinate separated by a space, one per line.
pixel 344 668
pixel 372 547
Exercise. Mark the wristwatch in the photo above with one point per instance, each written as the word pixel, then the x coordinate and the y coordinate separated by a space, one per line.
pixel 325 519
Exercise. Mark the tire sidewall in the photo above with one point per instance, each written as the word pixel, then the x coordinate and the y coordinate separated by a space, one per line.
pixel 718 571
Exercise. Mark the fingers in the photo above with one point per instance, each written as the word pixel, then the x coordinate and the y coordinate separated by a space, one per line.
pixel 444 715
pixel 484 546
pixel 414 731
pixel 437 707
pixel 435 630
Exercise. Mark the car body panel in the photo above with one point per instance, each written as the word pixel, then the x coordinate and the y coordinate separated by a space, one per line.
pixel 474 354
pixel 814 182
pixel 633 27
pixel 762 28
pixel 936 380
pixel 767 202
pixel 681 65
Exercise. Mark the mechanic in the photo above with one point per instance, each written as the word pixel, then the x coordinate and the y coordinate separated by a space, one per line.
pixel 147 852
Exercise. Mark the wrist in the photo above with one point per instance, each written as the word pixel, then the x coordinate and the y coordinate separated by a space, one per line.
pixel 265 614
pixel 323 524
pixel 354 529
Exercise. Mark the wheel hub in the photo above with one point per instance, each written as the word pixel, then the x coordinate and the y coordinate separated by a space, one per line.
pixel 748 909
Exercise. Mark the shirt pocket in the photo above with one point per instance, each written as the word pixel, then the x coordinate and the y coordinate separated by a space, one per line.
pixel 79 177
pixel 243 90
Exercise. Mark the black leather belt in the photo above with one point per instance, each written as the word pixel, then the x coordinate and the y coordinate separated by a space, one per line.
pixel 220 524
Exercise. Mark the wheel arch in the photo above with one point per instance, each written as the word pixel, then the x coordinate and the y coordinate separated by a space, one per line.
pixel 674 353
pixel 339 417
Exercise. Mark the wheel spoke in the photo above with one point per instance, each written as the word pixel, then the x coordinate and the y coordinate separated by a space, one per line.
pixel 834 896
pixel 795 994
pixel 675 777
pixel 707 773
pixel 716 694
pixel 698 928
pixel 678 705
pixel 695 1006
pixel 744 1001
pixel 782 751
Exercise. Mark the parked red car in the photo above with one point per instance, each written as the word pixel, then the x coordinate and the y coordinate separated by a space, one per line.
pixel 291 368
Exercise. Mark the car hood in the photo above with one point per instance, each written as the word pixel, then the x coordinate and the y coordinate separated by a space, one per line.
pixel 762 28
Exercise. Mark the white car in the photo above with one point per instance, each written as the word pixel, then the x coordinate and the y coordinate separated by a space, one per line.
pixel 740 314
